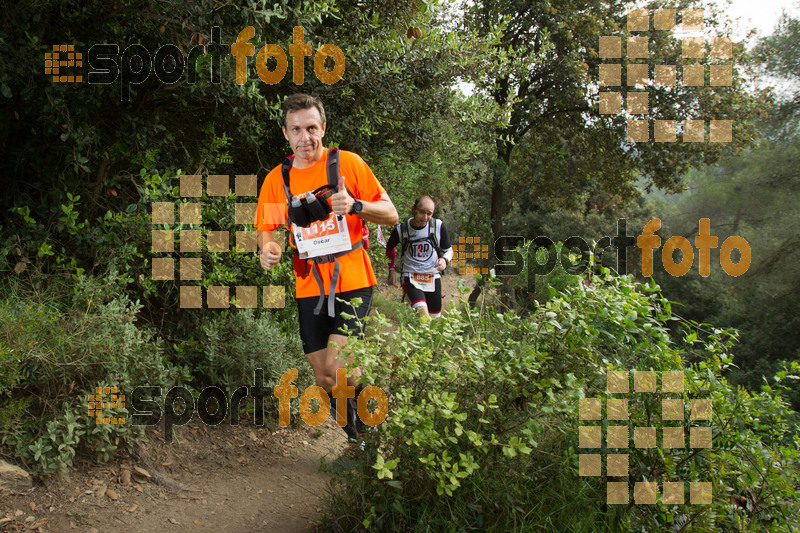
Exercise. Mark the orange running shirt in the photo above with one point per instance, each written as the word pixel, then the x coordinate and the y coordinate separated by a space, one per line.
pixel 355 270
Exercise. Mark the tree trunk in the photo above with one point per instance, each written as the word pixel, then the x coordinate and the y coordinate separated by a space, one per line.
pixel 498 204
pixel 97 193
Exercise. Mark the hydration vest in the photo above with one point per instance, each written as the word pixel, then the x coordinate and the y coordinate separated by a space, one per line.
pixel 434 229
pixel 315 210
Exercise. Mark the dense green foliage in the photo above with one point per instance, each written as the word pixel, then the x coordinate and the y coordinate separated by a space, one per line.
pixel 56 349
pixel 483 428
pixel 756 195
pixel 482 431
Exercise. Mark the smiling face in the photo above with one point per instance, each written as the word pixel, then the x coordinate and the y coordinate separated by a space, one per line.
pixel 304 130
pixel 423 212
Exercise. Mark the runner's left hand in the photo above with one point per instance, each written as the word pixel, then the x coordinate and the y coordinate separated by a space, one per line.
pixel 341 202
pixel 441 264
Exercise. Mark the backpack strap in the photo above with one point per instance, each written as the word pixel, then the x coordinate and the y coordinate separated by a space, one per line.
pixel 404 237
pixel 404 243
pixel 330 258
pixel 285 168
pixel 434 235
pixel 332 169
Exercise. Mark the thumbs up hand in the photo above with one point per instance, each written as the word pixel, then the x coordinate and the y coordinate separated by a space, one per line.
pixel 342 202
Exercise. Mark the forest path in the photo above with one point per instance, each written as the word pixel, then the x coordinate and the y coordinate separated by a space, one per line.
pixel 241 479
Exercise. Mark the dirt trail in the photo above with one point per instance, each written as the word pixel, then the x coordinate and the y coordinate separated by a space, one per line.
pixel 242 479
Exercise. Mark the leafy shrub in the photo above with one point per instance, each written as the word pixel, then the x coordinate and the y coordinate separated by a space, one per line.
pixel 482 432
pixel 58 348
pixel 231 346
pixel 530 288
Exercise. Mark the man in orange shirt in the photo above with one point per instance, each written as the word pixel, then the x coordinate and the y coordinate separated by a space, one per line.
pixel 359 197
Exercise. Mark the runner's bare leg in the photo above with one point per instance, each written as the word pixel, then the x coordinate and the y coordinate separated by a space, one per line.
pixel 326 362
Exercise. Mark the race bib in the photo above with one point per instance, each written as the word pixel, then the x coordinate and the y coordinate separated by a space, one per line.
pixel 424 282
pixel 323 237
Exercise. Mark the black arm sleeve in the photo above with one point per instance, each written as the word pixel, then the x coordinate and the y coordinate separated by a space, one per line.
pixel 445 244
pixel 394 239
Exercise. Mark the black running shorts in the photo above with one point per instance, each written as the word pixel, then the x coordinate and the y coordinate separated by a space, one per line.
pixel 432 300
pixel 315 329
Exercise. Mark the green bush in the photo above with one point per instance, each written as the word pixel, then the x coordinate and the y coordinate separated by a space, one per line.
pixel 482 432
pixel 82 310
pixel 228 348
pixel 531 289
pixel 54 246
pixel 57 349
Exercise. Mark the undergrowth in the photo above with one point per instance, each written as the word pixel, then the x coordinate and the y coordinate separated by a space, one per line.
pixel 482 432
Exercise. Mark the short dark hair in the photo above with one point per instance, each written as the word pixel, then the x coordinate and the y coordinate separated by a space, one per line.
pixel 418 200
pixel 300 101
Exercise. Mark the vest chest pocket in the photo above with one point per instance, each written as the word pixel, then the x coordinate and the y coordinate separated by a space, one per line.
pixel 322 237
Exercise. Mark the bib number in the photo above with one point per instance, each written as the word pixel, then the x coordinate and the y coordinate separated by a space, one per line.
pixel 323 237
pixel 424 282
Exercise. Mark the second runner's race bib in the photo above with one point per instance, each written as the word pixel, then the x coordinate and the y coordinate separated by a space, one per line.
pixel 323 237
pixel 424 282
